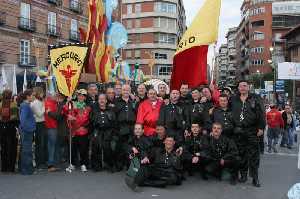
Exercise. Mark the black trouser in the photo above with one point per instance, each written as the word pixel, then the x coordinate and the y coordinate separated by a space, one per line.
pixel 8 148
pixel 80 145
pixel 215 168
pixel 198 167
pixel 122 152
pixel 249 152
pixel 101 153
pixel 149 175
pixel 41 149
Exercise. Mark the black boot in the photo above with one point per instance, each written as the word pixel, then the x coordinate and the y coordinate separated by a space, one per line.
pixel 255 182
pixel 243 178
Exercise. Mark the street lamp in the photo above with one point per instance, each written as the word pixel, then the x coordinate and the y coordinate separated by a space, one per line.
pixel 273 65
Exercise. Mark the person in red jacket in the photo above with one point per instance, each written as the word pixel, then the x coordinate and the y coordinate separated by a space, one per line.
pixel 51 125
pixel 78 121
pixel 148 113
pixel 275 123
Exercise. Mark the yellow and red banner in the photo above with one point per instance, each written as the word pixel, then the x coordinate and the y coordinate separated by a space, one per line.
pixel 67 63
pixel 190 60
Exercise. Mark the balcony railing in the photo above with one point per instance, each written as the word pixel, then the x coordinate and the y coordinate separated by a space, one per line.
pixel 55 2
pixel 27 61
pixel 27 24
pixel 75 6
pixel 74 36
pixel 53 30
pixel 2 18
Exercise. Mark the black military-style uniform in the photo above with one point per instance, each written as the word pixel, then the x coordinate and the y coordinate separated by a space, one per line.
pixel 164 169
pixel 92 102
pixel 126 117
pixel 185 100
pixel 222 148
pixel 248 117
pixel 111 104
pixel 195 146
pixel 103 138
pixel 225 117
pixel 142 144
pixel 196 112
pixel 171 116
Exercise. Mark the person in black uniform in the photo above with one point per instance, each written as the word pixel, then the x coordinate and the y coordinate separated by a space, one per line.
pixel 162 167
pixel 185 97
pixel 196 112
pixel 249 119
pixel 222 154
pixel 223 115
pixel 103 122
pixel 138 144
pixel 92 97
pixel 194 151
pixel 126 117
pixel 157 141
pixel 111 100
pixel 171 116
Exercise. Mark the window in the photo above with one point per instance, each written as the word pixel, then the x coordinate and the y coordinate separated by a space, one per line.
pixel 257 11
pixel 285 21
pixel 164 70
pixel 258 23
pixel 128 54
pixel 257 50
pixel 165 7
pixel 138 23
pixel 52 23
pixel 138 38
pixel 295 51
pixel 165 38
pixel 74 25
pixel 258 36
pixel 24 52
pixel 257 62
pixel 160 56
pixel 137 53
pixel 25 14
pixel 137 8
pixel 129 8
pixel 129 23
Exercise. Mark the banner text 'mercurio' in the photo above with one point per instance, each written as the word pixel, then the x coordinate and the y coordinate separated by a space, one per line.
pixel 68 55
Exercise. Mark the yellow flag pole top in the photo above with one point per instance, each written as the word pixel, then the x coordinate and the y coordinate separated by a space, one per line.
pixel 67 63
pixel 204 28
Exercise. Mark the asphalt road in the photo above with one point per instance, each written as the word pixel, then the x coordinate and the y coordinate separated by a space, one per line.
pixel 278 173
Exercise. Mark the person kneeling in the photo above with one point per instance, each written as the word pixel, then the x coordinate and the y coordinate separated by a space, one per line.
pixel 222 154
pixel 161 168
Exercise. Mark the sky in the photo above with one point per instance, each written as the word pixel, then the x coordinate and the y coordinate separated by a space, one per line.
pixel 229 17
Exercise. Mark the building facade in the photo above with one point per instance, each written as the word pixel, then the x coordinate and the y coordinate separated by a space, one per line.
pixel 259 44
pixel 232 56
pixel 221 64
pixel 154 30
pixel 28 27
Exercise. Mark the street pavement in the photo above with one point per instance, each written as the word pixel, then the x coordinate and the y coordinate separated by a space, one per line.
pixel 278 173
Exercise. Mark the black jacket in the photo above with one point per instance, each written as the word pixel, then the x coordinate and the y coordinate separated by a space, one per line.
pixel 160 159
pixel 103 122
pixel 142 144
pixel 222 148
pixel 171 116
pixel 126 115
pixel 224 117
pixel 195 146
pixel 196 112
pixel 251 115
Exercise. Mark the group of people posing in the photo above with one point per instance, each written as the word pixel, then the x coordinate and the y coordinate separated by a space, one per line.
pixel 188 131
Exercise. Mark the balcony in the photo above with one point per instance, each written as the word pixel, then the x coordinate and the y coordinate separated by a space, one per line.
pixel 27 61
pixel 27 24
pixel 55 2
pixel 2 18
pixel 74 36
pixel 2 58
pixel 53 30
pixel 75 6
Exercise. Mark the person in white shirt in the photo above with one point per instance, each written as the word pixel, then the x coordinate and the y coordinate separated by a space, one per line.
pixel 38 108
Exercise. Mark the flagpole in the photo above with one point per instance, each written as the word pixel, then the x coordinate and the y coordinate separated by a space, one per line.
pixel 213 63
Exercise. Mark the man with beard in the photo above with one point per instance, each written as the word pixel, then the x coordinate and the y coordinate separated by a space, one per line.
pixel 126 117
pixel 103 121
pixel 249 119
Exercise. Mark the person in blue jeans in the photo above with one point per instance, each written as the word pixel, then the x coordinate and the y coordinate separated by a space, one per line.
pixel 289 127
pixel 27 128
